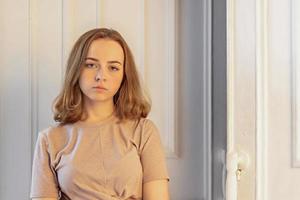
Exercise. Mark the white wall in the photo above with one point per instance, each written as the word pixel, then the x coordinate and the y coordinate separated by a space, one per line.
pixel 36 37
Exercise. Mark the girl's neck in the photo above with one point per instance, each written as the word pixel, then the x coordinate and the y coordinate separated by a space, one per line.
pixel 98 111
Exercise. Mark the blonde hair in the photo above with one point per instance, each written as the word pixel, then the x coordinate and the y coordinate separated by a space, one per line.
pixel 131 101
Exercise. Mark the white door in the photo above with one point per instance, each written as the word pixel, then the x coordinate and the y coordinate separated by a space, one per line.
pixel 36 37
pixel 263 100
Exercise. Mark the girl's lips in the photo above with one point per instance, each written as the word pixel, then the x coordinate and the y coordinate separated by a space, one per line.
pixel 100 89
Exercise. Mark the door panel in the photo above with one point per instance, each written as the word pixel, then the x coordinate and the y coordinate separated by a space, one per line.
pixel 36 38
pixel 263 101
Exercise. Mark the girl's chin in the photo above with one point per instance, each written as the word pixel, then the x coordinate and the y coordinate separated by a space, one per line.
pixel 100 99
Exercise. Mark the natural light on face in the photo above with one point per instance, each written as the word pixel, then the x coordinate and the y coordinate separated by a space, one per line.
pixel 104 60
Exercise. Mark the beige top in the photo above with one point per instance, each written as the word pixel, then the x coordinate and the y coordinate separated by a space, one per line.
pixel 97 161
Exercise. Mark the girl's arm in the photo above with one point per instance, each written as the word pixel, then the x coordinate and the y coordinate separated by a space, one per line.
pixel 156 190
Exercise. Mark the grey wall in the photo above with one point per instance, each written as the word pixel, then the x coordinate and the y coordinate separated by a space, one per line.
pixel 192 171
pixel 219 112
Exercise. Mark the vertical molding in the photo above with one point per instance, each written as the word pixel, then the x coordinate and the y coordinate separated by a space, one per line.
pixel 170 44
pixel 33 71
pixel 31 79
pixel 231 187
pixel 207 96
pixel 295 74
pixel 261 98
pixel 230 73
pixel 141 38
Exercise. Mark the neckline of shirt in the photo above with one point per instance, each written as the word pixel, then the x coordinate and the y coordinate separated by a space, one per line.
pixel 107 120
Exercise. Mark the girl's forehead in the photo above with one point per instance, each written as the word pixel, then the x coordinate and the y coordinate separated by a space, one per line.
pixel 106 49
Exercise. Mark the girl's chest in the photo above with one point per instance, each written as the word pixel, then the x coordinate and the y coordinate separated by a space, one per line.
pixel 96 161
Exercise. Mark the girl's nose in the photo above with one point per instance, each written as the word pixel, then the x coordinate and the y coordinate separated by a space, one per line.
pixel 100 75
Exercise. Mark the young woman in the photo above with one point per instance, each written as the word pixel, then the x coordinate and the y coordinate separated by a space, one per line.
pixel 104 147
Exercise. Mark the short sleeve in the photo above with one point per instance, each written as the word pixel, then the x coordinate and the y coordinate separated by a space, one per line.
pixel 44 181
pixel 152 154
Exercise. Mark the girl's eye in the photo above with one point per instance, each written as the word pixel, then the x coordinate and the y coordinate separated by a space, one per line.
pixel 90 65
pixel 114 68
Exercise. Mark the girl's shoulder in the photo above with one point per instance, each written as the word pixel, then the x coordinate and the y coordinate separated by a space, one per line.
pixel 143 123
pixel 53 131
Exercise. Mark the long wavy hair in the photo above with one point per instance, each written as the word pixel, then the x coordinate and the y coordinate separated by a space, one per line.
pixel 131 100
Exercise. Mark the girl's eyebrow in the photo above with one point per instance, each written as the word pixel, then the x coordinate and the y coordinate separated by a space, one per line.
pixel 114 61
pixel 111 61
pixel 94 59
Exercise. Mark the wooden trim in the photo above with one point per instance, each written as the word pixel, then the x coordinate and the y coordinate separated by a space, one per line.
pixel 295 74
pixel 231 185
pixel 261 98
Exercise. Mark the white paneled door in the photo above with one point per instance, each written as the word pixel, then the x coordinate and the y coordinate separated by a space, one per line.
pixel 36 37
pixel 263 100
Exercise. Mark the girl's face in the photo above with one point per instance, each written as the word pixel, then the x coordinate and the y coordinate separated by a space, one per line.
pixel 103 67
